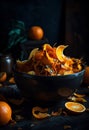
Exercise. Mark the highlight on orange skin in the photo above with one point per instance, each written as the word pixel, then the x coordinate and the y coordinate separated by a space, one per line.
pixel 35 33
pixel 5 113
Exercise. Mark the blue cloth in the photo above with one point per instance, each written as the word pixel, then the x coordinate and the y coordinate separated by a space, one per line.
pixel 72 122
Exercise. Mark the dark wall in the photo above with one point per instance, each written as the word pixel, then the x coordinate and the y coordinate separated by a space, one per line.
pixel 53 16
pixel 77 28
pixel 46 13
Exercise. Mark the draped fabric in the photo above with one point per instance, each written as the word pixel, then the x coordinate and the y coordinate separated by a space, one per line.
pixel 61 122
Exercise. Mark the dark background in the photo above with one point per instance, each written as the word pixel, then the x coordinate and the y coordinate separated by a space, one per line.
pixel 46 13
pixel 77 28
pixel 63 21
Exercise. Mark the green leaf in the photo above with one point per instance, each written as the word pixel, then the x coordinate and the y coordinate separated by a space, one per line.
pixel 15 31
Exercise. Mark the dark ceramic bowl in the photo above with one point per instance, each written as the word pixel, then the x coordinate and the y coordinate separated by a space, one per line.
pixel 47 88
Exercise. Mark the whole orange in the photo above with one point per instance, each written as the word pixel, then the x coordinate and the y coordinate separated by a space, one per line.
pixel 5 113
pixel 36 33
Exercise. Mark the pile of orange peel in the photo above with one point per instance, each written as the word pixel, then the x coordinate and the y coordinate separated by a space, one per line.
pixel 49 61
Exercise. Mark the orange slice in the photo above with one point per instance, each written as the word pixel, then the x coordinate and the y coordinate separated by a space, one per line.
pixel 75 107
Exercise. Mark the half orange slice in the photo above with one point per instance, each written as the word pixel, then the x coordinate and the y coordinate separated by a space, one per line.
pixel 75 107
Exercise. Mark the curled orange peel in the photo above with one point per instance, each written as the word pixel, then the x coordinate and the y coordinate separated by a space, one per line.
pixel 32 53
pixel 47 47
pixel 60 55
pixel 40 113
pixel 59 52
pixel 79 95
pixel 49 58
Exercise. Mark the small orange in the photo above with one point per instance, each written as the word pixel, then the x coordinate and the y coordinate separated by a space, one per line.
pixel 36 33
pixel 3 76
pixel 5 113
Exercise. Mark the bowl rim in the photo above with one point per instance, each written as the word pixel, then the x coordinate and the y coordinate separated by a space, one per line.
pixel 43 76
